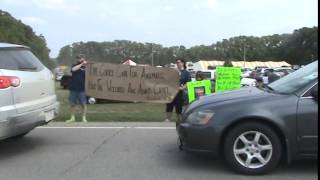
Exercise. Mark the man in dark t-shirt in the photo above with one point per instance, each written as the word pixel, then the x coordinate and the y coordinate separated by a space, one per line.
pixel 77 88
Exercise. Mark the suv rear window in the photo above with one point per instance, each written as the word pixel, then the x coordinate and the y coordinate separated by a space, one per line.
pixel 19 59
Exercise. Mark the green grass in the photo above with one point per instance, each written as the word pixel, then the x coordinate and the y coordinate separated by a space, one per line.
pixel 112 112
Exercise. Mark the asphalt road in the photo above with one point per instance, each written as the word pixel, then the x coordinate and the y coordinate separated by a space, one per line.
pixel 120 154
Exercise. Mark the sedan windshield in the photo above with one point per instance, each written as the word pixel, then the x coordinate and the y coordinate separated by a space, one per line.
pixel 296 80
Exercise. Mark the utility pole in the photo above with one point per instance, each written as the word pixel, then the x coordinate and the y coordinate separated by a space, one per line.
pixel 244 56
pixel 151 54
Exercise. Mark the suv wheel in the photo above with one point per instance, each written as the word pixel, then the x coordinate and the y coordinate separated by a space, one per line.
pixel 252 148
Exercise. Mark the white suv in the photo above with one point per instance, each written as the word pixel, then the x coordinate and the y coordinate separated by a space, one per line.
pixel 27 94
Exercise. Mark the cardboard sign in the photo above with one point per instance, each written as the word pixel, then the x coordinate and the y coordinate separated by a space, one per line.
pixel 227 78
pixel 198 88
pixel 131 83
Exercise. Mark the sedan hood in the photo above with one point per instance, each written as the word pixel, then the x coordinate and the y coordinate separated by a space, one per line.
pixel 245 93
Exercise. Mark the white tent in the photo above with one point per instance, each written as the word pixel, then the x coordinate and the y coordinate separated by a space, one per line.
pixel 203 65
pixel 130 62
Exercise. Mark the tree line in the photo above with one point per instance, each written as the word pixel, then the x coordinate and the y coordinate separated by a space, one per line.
pixel 14 31
pixel 299 47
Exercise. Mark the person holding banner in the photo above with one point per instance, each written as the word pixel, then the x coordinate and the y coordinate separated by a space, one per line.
pixel 199 76
pixel 200 87
pixel 180 98
pixel 77 88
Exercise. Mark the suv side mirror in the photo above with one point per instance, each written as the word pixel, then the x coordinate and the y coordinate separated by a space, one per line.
pixel 314 93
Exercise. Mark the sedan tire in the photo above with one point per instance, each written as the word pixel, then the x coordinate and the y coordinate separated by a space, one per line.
pixel 252 148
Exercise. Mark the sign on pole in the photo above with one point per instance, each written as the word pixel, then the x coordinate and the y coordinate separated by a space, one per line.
pixel 131 83
pixel 227 78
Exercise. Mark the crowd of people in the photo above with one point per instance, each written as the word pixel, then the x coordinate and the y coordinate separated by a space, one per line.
pixel 266 77
pixel 77 90
pixel 77 87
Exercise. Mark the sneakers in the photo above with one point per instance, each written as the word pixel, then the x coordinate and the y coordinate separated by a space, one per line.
pixel 72 119
pixel 168 116
pixel 84 119
pixel 167 120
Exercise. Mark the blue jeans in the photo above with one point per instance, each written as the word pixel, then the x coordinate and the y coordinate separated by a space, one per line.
pixel 77 97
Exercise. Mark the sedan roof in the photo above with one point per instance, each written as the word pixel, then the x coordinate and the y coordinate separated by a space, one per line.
pixel 8 45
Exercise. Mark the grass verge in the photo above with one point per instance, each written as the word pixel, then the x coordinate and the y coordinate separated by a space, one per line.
pixel 112 112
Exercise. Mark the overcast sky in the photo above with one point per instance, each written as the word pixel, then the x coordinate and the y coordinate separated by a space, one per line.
pixel 174 22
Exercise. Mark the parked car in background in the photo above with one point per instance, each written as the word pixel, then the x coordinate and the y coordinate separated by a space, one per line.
pixel 245 72
pixel 295 67
pixel 254 129
pixel 193 75
pixel 265 76
pixel 262 74
pixel 27 92
pixel 262 70
pixel 260 67
pixel 65 81
pixel 58 76
pixel 58 73
pixel 248 82
pixel 282 71
pixel 209 74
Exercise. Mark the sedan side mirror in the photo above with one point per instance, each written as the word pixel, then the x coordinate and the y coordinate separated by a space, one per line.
pixel 314 93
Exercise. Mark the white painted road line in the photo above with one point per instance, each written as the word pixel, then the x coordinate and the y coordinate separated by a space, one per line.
pixel 124 127
pixel 154 127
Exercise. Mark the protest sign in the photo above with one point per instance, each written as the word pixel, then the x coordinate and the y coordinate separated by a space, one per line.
pixel 197 89
pixel 131 83
pixel 227 78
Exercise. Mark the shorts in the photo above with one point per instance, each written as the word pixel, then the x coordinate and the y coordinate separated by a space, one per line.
pixel 77 98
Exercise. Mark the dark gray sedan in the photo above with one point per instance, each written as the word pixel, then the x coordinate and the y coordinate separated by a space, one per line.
pixel 253 129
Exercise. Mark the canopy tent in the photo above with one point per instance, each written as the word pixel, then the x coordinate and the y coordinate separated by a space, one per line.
pixel 203 65
pixel 130 62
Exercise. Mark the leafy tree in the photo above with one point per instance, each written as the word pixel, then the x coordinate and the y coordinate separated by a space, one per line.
pixel 14 31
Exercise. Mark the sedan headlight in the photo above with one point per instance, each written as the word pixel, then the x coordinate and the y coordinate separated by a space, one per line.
pixel 200 117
